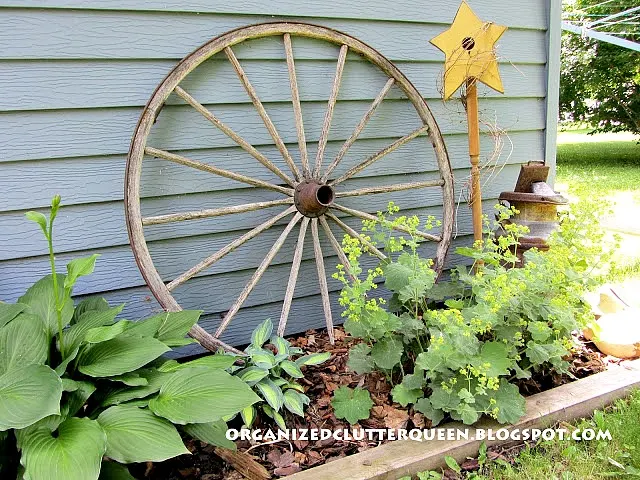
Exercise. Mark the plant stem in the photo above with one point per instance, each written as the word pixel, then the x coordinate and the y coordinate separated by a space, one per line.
pixel 56 295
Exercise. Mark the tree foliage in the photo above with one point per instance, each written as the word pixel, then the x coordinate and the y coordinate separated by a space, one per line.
pixel 599 81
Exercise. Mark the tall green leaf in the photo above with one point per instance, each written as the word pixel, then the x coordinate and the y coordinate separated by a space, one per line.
pixel 176 325
pixel 75 453
pixel 137 435
pixel 79 267
pixel 262 333
pixel 200 395
pixel 89 304
pixel 89 320
pixel 211 361
pixel 102 334
pixel 40 298
pixel 23 342
pixel 119 355
pixel 9 311
pixel 27 395
pixel 213 433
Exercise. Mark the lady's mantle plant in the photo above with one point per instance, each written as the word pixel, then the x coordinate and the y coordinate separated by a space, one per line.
pixel 455 347
pixel 76 385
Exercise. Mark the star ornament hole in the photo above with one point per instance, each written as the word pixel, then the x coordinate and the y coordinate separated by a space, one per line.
pixel 468 43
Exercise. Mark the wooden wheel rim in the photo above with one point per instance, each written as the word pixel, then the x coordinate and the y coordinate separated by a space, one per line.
pixel 192 61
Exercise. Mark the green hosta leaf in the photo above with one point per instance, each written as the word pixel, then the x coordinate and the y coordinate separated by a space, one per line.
pixel 387 353
pixel 200 395
pixel 40 298
pixel 279 419
pixel 213 433
pixel 177 324
pixel 75 400
pixel 114 471
pixel 90 304
pixel 179 342
pixel 248 415
pixel 292 369
pixel 425 407
pixel 313 359
pixel 89 320
pixel 23 342
pixel 147 327
pixel 79 267
pixel 252 375
pixel 102 334
pixel 404 396
pixel 295 402
pixel 216 361
pixel 360 360
pixel 352 405
pixel 540 331
pixel 262 333
pixel 271 393
pixel 27 395
pixel 9 311
pixel 119 355
pixel 132 379
pixel 137 435
pixel 74 453
pixel 496 354
pixel 117 395
pixel 40 219
pixel 511 405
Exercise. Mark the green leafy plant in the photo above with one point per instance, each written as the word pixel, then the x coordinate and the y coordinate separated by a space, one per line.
pixel 455 347
pixel 271 370
pixel 77 385
pixel 352 404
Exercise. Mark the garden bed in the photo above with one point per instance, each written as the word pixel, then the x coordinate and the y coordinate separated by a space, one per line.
pixel 370 459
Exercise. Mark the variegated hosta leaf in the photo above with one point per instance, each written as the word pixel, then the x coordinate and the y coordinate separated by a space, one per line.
pixel 252 375
pixel 137 435
pixel 75 453
pixel 292 369
pixel 295 402
pixel 248 415
pixel 213 433
pixel 262 333
pixel 279 419
pixel 27 395
pixel 200 395
pixel 313 359
pixel 271 393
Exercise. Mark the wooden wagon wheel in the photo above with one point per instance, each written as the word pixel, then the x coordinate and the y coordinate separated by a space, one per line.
pixel 310 194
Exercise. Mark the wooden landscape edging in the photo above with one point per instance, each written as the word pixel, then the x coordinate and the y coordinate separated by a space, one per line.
pixel 567 402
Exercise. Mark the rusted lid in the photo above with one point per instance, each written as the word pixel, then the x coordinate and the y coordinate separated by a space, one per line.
pixel 533 198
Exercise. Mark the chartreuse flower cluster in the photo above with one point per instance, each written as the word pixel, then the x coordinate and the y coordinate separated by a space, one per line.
pixel 455 348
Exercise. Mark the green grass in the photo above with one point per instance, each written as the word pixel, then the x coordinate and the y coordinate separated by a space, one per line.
pixel 598 164
pixel 584 460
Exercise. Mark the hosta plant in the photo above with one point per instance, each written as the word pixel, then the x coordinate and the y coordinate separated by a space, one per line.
pixel 271 370
pixel 456 347
pixel 77 385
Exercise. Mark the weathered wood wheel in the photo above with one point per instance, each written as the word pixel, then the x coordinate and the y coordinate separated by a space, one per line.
pixel 310 195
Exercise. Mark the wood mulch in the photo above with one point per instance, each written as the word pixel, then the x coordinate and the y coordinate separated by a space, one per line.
pixel 288 457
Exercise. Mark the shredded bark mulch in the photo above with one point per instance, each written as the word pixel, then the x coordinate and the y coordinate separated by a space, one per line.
pixel 287 457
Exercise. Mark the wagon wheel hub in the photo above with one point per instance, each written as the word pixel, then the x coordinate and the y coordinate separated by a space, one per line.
pixel 312 198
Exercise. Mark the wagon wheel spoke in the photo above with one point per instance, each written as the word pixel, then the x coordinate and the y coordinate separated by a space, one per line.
pixel 350 231
pixel 262 112
pixel 400 228
pixel 322 276
pixel 175 158
pixel 377 156
pixel 257 275
pixel 390 188
pixel 210 260
pixel 333 97
pixel 210 342
pixel 250 149
pixel 297 110
pixel 337 248
pixel 213 212
pixel 293 277
pixel 359 128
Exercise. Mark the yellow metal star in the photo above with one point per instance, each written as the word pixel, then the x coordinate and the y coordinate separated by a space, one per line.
pixel 469 47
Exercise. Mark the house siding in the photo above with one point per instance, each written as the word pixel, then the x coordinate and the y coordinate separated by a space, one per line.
pixel 75 75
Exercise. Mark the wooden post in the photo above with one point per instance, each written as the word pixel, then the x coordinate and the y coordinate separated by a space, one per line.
pixel 474 155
